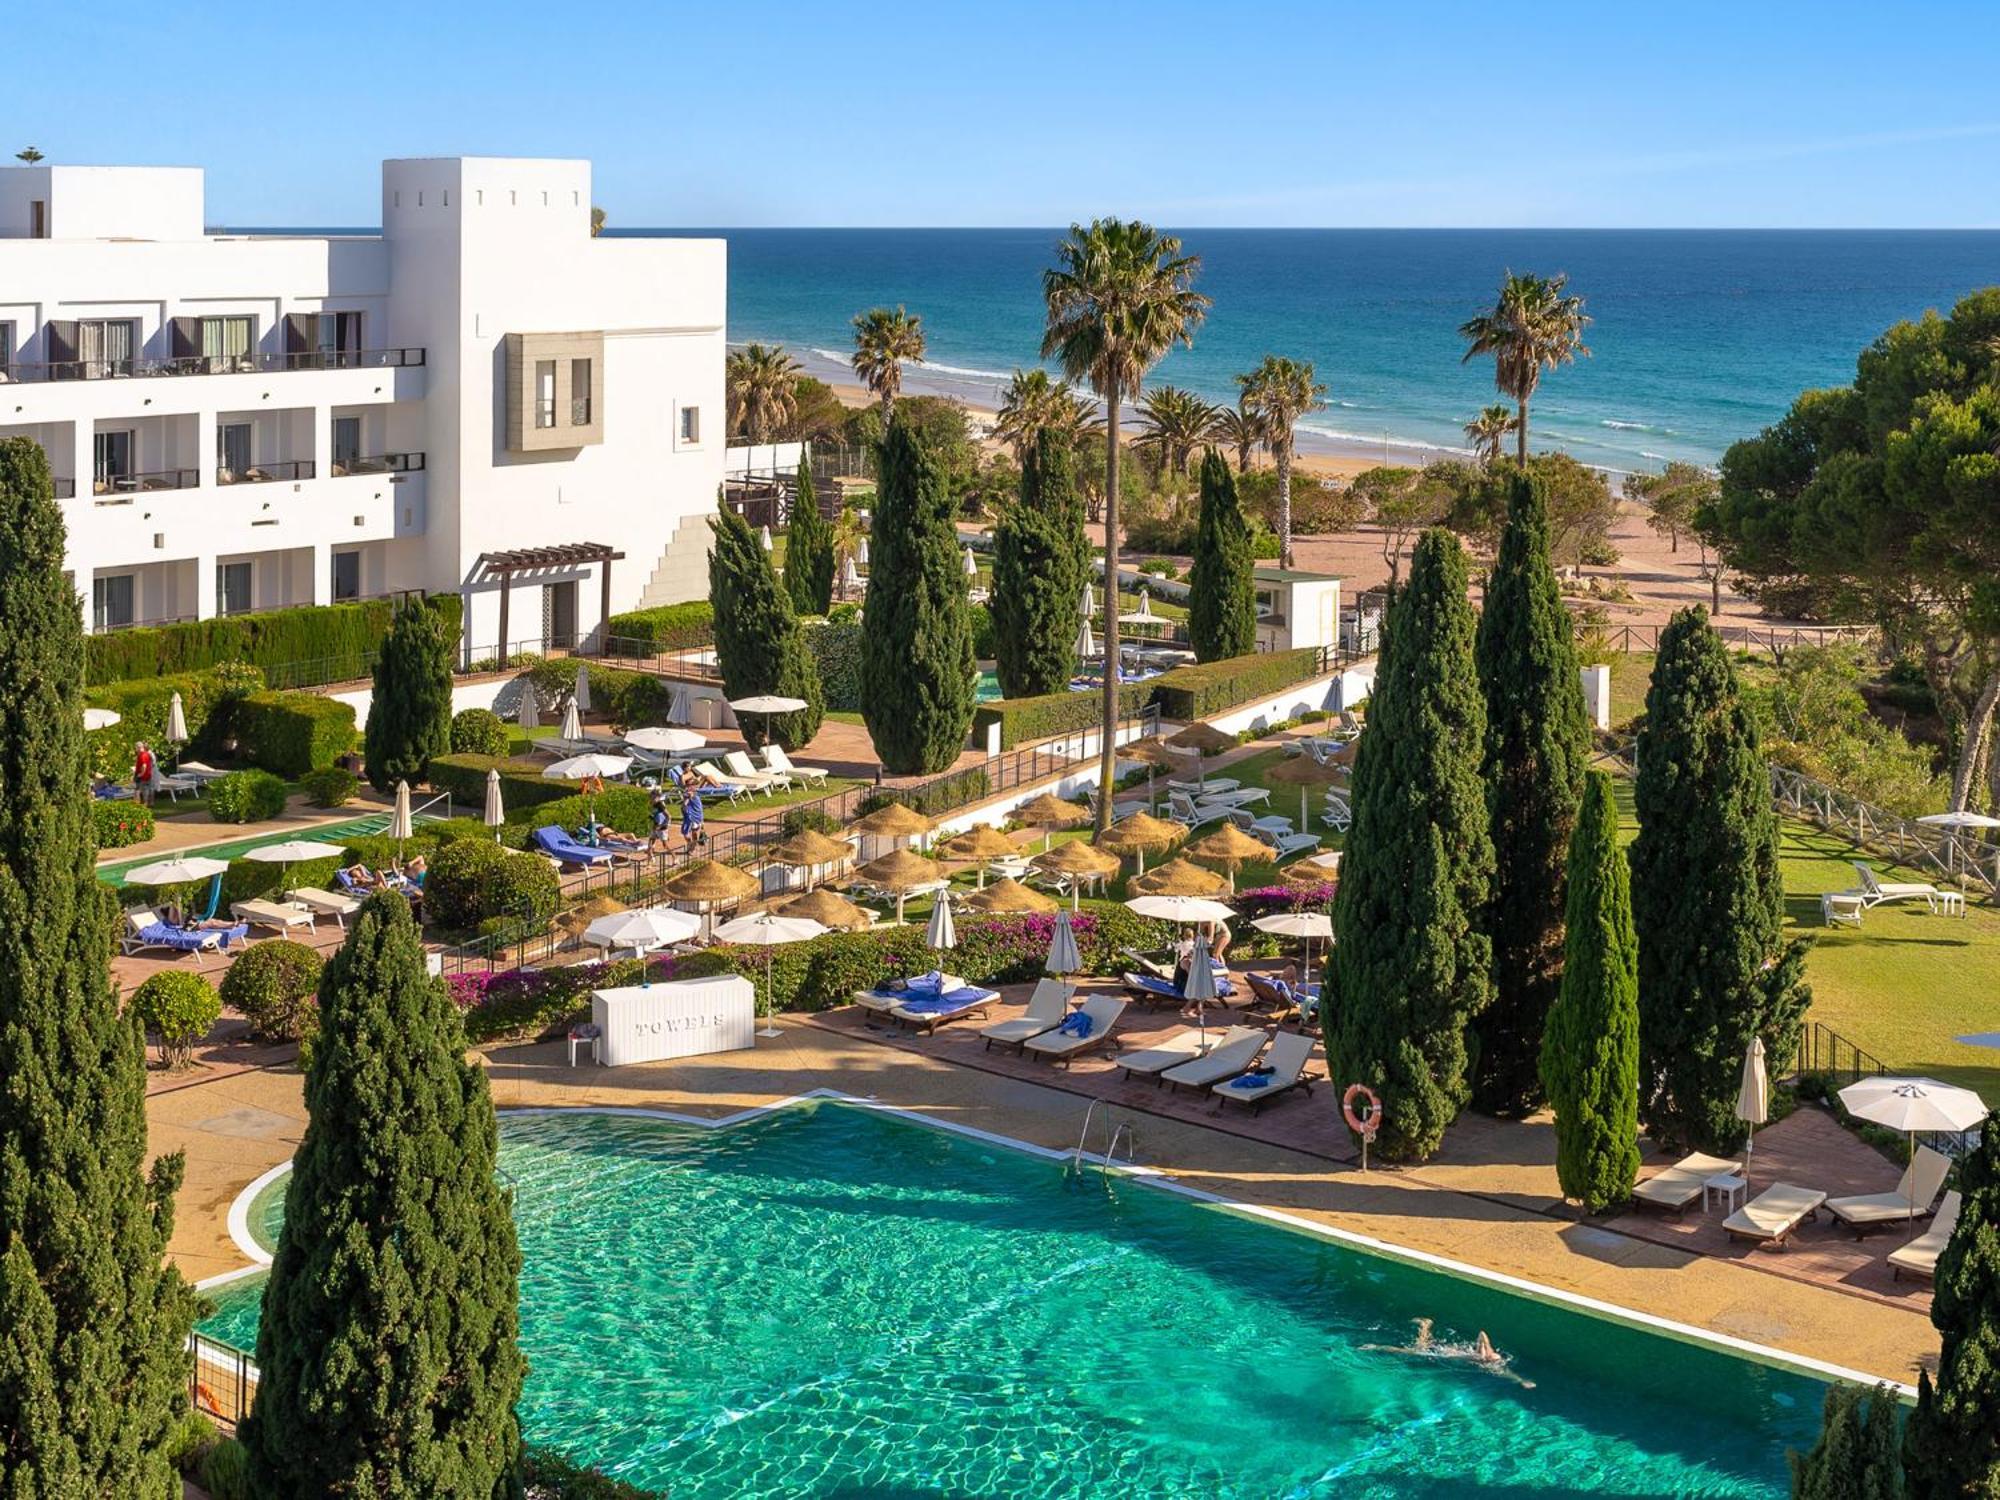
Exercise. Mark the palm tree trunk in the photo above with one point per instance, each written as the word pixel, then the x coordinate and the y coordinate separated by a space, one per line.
pixel 1285 500
pixel 888 407
pixel 1521 434
pixel 1107 760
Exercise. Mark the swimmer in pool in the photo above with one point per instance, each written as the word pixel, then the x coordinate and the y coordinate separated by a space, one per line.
pixel 1480 1353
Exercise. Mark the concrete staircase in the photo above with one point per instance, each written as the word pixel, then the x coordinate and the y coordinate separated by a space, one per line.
pixel 682 571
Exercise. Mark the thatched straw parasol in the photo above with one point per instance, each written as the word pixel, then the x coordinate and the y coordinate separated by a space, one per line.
pixel 1048 812
pixel 1009 895
pixel 977 845
pixel 1230 847
pixel 708 884
pixel 1202 739
pixel 1153 754
pixel 898 871
pixel 1079 861
pixel 1138 833
pixel 829 909
pixel 1305 872
pixel 892 820
pixel 1304 771
pixel 810 850
pixel 1179 878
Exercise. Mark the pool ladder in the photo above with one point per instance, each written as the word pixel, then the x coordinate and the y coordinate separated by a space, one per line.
pixel 1117 1132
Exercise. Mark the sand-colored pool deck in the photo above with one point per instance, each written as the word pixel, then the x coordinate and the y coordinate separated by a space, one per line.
pixel 1484 1203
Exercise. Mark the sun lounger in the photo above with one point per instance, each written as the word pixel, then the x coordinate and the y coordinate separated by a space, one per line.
pixel 1224 1062
pixel 282 915
pixel 1287 1059
pixel 1150 991
pixel 1679 1185
pixel 1059 1046
pixel 1771 1216
pixel 1296 843
pixel 779 763
pixel 1875 891
pixel 716 784
pixel 886 997
pixel 1046 1008
pixel 1919 1258
pixel 558 844
pixel 1911 1200
pixel 1146 965
pixel 756 781
pixel 1181 1047
pixel 737 764
pixel 143 930
pixel 928 1012
pixel 327 904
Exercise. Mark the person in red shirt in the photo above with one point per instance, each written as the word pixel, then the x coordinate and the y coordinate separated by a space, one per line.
pixel 142 772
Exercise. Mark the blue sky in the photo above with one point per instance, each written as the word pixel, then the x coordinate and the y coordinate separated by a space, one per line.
pixel 884 113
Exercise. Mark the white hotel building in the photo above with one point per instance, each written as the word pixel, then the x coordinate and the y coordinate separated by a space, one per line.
pixel 481 399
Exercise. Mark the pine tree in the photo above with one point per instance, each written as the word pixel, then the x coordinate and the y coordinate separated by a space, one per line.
pixel 809 552
pixel 1418 867
pixel 387 1349
pixel 1707 897
pixel 918 673
pixel 759 643
pixel 93 1326
pixel 1038 573
pixel 1952 1442
pixel 1537 746
pixel 409 716
pixel 1222 591
pixel 1856 1457
pixel 1590 1049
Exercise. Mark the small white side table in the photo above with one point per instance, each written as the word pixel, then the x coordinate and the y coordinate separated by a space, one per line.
pixel 594 1041
pixel 1729 1185
pixel 1841 906
pixel 1953 902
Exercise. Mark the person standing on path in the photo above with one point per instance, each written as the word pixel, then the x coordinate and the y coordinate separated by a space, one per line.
pixel 143 767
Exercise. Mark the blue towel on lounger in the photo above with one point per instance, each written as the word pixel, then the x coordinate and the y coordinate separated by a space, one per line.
pixel 962 998
pixel 1077 1024
pixel 1251 1081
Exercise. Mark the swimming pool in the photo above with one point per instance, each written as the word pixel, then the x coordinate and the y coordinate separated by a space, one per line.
pixel 329 833
pixel 832 1300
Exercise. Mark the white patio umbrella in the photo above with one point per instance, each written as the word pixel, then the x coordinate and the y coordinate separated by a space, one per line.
pixel 294 851
pixel 861 551
pixel 1086 643
pixel 764 538
pixel 1299 924
pixel 767 704
pixel 666 741
pixel 1753 1098
pixel 495 814
pixel 572 724
pixel 182 869
pixel 849 578
pixel 1089 604
pixel 1201 985
pixel 1063 956
pixel 764 930
pixel 530 714
pixel 1143 615
pixel 1959 823
pixel 942 933
pixel 581 699
pixel 399 818
pixel 679 709
pixel 1180 908
pixel 643 930
pixel 583 767
pixel 971 564
pixel 1913 1105
pixel 100 718
pixel 177 724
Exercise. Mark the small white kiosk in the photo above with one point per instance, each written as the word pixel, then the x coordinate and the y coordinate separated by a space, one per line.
pixel 682 1018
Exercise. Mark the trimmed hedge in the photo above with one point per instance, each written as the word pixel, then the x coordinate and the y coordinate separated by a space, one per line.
pixel 938 796
pixel 331 786
pixel 246 797
pixel 478 731
pixel 180 1008
pixel 290 734
pixel 1023 720
pixel 471 881
pixel 272 984
pixel 836 649
pixel 335 638
pixel 668 628
pixel 208 702
pixel 522 784
pixel 1214 687
pixel 121 824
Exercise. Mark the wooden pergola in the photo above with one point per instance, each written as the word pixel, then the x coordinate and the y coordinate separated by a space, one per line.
pixel 504 565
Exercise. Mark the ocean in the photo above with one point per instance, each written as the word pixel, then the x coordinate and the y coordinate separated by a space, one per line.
pixel 1700 337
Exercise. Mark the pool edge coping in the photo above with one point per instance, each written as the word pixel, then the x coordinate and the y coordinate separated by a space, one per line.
pixel 1764 1354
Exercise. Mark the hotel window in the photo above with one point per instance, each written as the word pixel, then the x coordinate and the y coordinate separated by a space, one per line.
pixel 690 424
pixel 225 344
pixel 6 351
pixel 232 452
pixel 112 460
pixel 232 588
pixel 346 444
pixel 111 602
pixel 545 393
pixel 346 576
pixel 38 219
pixel 105 346
pixel 339 339
pixel 579 393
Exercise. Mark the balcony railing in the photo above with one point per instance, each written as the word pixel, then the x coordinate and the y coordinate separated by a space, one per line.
pixel 153 479
pixel 579 411
pixel 212 364
pixel 380 463
pixel 291 468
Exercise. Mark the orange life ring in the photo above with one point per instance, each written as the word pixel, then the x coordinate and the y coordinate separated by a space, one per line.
pixel 1362 1127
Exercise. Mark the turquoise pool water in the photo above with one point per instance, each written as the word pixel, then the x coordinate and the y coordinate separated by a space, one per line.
pixel 830 1301
pixel 988 689
pixel 329 833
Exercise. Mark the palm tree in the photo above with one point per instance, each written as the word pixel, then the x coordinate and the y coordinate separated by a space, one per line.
pixel 1028 405
pixel 760 383
pixel 1277 393
pixel 596 221
pixel 1177 422
pixel 1119 297
pixel 1533 326
pixel 1487 431
pixel 1237 429
pixel 884 341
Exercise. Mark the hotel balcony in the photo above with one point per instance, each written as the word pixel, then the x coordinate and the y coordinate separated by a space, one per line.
pixel 266 473
pixel 380 463
pixel 211 364
pixel 114 489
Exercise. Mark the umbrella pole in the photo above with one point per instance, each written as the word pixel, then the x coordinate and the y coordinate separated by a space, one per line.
pixel 770 1000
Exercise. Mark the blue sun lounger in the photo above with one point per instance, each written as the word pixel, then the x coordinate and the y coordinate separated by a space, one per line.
pixel 1150 991
pixel 557 844
pixel 928 1012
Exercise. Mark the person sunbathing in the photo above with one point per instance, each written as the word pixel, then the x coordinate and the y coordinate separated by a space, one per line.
pixel 1480 1353
pixel 362 878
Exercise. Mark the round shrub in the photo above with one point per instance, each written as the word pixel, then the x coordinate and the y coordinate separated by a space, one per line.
pixel 179 1008
pixel 640 700
pixel 478 731
pixel 472 880
pixel 271 984
pixel 246 797
pixel 331 786
pixel 225 1471
pixel 121 824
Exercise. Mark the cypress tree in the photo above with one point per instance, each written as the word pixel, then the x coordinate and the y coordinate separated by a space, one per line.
pixel 759 642
pixel 809 552
pixel 1590 1049
pixel 1222 590
pixel 1856 1457
pixel 409 717
pixel 1038 575
pixel 388 1349
pixel 1537 746
pixel 1707 897
pixel 1952 1441
pixel 1418 867
pixel 918 673
pixel 93 1326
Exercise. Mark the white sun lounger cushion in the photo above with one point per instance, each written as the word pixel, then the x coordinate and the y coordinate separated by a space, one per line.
pixel 1911 1198
pixel 1775 1212
pixel 1921 1254
pixel 1289 1054
pixel 1679 1185
pixel 1183 1046
pixel 1103 1010
pixel 1224 1062
pixel 1046 1008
